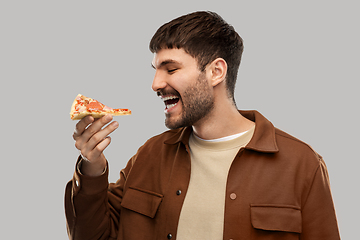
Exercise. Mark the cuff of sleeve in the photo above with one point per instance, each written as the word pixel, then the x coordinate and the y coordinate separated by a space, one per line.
pixel 89 185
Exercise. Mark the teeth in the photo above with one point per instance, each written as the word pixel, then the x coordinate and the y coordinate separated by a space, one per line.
pixel 165 98
pixel 170 105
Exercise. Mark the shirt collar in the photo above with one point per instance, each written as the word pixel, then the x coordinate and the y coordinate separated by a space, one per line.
pixel 263 139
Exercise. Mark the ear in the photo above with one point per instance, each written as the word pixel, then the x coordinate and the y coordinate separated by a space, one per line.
pixel 217 70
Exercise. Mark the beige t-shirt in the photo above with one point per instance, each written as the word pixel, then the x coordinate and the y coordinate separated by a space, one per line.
pixel 202 214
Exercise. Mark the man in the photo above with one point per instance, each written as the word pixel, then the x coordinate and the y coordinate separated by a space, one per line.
pixel 219 173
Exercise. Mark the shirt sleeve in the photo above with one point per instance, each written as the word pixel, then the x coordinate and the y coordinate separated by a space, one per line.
pixel 318 212
pixel 92 205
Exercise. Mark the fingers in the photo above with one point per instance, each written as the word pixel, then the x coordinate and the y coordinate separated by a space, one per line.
pixel 88 144
pixel 91 135
pixel 95 127
pixel 81 126
pixel 94 153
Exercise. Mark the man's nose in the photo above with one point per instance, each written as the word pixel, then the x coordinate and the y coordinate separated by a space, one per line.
pixel 159 82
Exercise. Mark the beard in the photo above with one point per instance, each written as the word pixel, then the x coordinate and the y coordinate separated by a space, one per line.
pixel 197 102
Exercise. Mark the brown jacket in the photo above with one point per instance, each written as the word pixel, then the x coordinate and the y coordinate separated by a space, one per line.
pixel 278 188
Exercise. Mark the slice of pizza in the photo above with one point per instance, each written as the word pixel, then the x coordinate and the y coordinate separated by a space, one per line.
pixel 83 106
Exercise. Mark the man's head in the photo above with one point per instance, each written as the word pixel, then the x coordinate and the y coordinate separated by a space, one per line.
pixel 186 91
pixel 205 36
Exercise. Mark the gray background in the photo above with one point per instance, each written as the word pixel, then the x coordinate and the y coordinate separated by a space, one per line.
pixel 299 69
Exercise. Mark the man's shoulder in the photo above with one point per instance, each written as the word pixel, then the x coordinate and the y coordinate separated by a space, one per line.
pixel 293 145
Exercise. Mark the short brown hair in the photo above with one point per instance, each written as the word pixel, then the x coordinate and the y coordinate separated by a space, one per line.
pixel 205 36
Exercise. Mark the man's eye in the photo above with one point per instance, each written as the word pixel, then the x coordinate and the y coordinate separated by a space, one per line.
pixel 172 70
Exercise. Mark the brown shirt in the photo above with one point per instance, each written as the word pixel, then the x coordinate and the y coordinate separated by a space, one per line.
pixel 277 188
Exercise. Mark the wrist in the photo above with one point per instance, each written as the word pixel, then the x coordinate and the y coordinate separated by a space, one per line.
pixel 91 169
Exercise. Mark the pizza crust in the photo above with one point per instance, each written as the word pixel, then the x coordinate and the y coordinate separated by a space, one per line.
pixel 96 115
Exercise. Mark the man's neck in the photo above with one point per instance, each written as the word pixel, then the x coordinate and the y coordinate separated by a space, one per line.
pixel 222 122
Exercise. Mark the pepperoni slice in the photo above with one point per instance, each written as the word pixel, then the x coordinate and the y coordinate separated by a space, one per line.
pixel 95 106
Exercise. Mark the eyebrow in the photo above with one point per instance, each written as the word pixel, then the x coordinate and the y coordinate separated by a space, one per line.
pixel 165 62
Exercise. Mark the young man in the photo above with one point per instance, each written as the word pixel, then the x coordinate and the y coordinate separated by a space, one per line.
pixel 219 173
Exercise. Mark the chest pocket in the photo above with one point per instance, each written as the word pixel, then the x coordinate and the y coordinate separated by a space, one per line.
pixel 276 217
pixel 142 201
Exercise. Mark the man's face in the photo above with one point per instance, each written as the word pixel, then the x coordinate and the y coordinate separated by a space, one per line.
pixel 185 90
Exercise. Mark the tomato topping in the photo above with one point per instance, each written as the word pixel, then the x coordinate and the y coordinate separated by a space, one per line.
pixel 121 110
pixel 95 105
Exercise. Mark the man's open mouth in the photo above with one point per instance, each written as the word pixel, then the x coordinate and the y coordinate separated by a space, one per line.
pixel 170 101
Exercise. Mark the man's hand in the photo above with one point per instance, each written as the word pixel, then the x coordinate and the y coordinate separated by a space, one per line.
pixel 91 138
